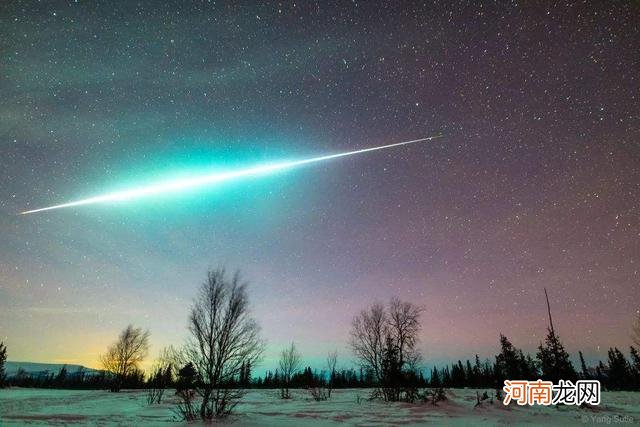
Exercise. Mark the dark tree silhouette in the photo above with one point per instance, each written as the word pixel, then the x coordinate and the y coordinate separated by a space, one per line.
pixel 583 366
pixel 123 357
pixel 384 343
pixel 635 367
pixel 186 377
pixel 223 336
pixel 289 364
pixel 61 378
pixel 404 325
pixel 185 384
pixel 508 362
pixel 3 359
pixel 368 331
pixel 161 376
pixel 244 378
pixel 391 380
pixel 619 375
pixel 332 361
pixel 554 360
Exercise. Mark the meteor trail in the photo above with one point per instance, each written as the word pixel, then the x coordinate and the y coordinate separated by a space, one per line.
pixel 214 178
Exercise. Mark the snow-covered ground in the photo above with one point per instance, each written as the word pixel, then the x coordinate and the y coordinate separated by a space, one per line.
pixel 20 406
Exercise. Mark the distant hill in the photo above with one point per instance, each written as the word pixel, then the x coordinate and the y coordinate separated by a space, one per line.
pixel 37 369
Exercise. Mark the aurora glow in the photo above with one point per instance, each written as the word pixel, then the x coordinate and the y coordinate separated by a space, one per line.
pixel 176 185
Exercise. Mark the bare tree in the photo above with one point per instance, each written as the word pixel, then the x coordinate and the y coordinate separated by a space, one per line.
pixel 404 325
pixel 332 361
pixel 162 374
pixel 321 390
pixel 384 342
pixel 223 335
pixel 289 363
pixel 124 356
pixel 368 331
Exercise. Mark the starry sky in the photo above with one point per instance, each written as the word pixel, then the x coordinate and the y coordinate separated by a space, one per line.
pixel 536 182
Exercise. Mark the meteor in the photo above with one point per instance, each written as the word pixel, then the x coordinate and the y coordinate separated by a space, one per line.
pixel 213 178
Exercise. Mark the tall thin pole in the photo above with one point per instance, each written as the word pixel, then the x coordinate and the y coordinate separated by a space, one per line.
pixel 549 309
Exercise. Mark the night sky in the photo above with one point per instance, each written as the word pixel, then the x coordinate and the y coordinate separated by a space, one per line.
pixel 536 182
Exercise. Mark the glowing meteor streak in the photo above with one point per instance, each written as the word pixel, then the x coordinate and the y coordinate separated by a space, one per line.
pixel 214 178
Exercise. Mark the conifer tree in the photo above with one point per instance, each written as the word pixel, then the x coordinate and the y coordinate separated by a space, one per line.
pixel 435 378
pixel 554 360
pixel 488 374
pixel 477 372
pixel 508 363
pixel 3 359
pixel 618 370
pixel 186 378
pixel 469 376
pixel 600 372
pixel 241 375
pixel 247 374
pixel 585 371
pixel 61 377
pixel 446 377
pixel 391 371
pixel 635 368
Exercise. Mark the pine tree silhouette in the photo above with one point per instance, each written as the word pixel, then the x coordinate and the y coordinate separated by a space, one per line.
pixel 553 358
pixel 3 359
pixel 585 371
pixel 247 374
pixel 510 363
pixel 435 378
pixel 635 368
pixel 619 373
pixel 391 371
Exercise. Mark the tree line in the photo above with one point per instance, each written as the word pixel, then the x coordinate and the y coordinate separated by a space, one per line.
pixel 616 373
pixel 212 370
